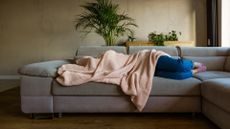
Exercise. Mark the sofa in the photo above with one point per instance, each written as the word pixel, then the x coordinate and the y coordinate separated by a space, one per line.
pixel 206 92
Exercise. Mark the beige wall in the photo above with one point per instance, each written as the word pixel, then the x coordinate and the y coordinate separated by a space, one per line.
pixel 38 30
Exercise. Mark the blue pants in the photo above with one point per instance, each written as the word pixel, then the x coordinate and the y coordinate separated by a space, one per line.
pixel 173 68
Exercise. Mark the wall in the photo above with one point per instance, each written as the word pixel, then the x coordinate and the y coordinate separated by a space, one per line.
pixel 38 30
pixel 225 23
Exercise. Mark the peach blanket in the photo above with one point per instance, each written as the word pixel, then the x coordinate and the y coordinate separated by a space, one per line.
pixel 133 73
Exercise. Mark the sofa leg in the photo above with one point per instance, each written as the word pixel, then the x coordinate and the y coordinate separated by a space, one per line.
pixel 42 116
pixel 59 115
pixel 33 116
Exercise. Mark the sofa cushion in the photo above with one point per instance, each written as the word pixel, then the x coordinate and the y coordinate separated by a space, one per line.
pixel 90 88
pixel 210 62
pixel 43 69
pixel 170 50
pixel 165 86
pixel 210 56
pixel 227 64
pixel 212 75
pixel 217 91
pixel 204 51
pixel 96 51
pixel 35 86
pixel 161 86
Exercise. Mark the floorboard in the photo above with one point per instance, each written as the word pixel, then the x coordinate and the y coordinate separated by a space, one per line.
pixel 8 84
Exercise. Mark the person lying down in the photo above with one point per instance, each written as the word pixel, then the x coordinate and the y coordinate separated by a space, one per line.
pixel 133 73
pixel 177 68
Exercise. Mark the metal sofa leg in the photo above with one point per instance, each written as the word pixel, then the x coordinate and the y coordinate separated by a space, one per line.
pixel 42 116
pixel 59 115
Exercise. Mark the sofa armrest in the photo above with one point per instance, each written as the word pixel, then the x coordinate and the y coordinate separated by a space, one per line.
pixel 35 86
pixel 36 95
pixel 43 69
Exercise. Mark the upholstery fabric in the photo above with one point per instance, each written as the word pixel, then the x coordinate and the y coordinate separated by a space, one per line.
pixel 227 64
pixel 164 86
pixel 210 62
pixel 161 86
pixel 97 104
pixel 37 104
pixel 96 51
pixel 212 75
pixel 35 86
pixel 90 88
pixel 173 104
pixel 43 69
pixel 210 56
pixel 93 104
pixel 216 114
pixel 170 50
pixel 217 91
pixel 204 51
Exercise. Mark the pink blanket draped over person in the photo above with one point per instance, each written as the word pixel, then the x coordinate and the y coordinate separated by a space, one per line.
pixel 133 73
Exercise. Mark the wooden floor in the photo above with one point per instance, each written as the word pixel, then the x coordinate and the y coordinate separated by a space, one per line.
pixel 8 84
pixel 12 118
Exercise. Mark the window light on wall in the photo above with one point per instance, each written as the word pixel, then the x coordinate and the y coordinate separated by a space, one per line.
pixel 225 23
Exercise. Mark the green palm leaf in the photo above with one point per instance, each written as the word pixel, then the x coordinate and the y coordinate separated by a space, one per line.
pixel 102 17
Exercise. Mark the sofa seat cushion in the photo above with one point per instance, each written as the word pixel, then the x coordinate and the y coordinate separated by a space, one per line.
pixel 166 86
pixel 212 75
pixel 217 91
pixel 161 86
pixel 90 88
pixel 43 69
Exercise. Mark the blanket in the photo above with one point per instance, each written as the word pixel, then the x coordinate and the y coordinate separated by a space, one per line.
pixel 133 73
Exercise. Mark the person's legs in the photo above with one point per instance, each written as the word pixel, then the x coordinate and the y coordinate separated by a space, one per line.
pixel 174 75
pixel 170 64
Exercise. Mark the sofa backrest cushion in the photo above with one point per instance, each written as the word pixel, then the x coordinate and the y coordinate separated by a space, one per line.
pixel 95 51
pixel 227 62
pixel 170 50
pixel 213 57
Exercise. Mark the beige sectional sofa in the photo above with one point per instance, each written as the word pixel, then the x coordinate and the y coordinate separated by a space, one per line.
pixel 207 92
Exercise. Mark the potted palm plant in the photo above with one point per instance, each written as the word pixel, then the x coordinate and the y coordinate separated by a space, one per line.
pixel 102 17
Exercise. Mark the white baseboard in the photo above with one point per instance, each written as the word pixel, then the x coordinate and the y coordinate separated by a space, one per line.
pixel 9 77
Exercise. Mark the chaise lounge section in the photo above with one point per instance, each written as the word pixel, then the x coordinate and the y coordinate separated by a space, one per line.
pixel 207 92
